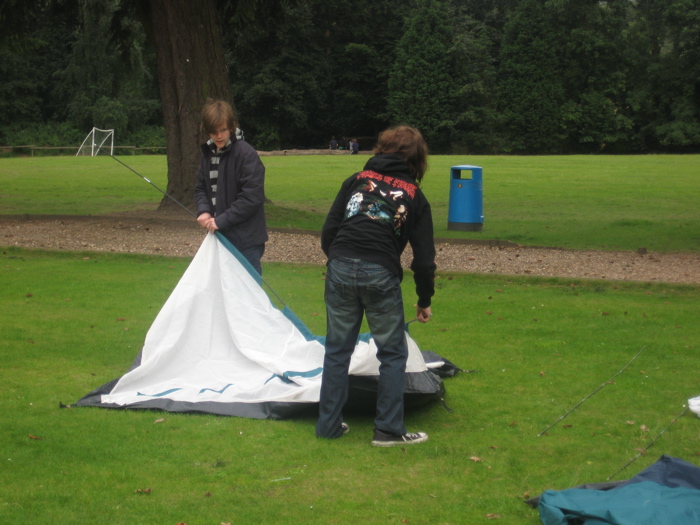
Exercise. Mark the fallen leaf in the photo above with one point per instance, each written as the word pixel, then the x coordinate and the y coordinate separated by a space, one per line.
pixel 644 428
pixel 630 422
pixel 542 373
pixel 33 437
pixel 142 491
pixel 493 516
pixel 475 459
pixel 158 421
pixel 121 318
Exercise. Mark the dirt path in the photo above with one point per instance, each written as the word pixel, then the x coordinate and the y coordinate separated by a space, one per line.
pixel 177 234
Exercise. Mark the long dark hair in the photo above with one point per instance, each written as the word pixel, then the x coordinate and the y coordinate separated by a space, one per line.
pixel 407 143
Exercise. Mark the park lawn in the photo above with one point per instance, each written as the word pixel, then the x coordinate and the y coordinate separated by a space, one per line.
pixel 73 321
pixel 577 201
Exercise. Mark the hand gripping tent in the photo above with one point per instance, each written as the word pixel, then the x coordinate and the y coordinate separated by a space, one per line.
pixel 219 345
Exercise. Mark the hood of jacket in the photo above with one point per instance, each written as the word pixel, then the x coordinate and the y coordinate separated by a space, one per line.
pixel 389 164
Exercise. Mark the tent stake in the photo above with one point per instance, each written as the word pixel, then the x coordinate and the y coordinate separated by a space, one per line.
pixel 592 393
pixel 635 458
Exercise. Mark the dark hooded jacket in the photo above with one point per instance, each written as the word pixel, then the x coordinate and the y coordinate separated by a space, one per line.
pixel 240 194
pixel 376 213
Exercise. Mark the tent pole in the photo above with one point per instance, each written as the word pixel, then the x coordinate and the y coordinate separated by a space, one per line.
pixel 190 212
pixel 156 187
pixel 591 394
pixel 635 458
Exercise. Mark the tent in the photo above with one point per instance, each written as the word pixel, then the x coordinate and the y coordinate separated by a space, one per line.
pixel 665 493
pixel 220 346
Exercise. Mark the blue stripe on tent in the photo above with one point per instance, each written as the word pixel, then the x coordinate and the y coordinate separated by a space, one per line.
pixel 286 311
pixel 286 375
pixel 215 391
pixel 299 324
pixel 234 251
pixel 161 394
pixel 364 338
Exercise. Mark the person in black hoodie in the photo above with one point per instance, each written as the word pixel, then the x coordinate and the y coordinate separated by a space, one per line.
pixel 376 213
pixel 230 188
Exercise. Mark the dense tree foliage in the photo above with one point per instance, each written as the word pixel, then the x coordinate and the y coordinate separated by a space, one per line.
pixel 482 76
pixel 421 85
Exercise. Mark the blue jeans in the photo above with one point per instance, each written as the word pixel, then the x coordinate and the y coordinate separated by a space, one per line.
pixel 253 256
pixel 355 287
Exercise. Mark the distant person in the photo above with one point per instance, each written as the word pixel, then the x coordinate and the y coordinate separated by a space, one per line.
pixel 354 147
pixel 377 212
pixel 333 144
pixel 230 188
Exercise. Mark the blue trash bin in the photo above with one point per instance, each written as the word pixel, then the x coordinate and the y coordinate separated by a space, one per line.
pixel 466 211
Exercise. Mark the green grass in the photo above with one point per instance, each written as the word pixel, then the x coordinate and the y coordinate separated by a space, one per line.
pixel 578 202
pixel 73 321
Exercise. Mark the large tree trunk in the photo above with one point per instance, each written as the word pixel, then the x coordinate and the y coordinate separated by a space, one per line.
pixel 191 67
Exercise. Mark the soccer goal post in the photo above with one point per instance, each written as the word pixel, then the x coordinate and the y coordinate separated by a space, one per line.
pixel 98 141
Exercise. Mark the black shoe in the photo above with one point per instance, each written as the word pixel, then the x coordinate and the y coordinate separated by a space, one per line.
pixel 388 440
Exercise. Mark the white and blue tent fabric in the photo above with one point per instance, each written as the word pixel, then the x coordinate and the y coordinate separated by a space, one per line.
pixel 219 345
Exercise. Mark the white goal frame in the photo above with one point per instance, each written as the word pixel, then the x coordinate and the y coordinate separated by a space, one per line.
pixel 94 143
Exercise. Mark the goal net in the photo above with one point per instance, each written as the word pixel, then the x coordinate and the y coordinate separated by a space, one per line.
pixel 98 141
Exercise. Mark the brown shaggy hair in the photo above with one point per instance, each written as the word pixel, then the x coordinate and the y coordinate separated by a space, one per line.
pixel 407 143
pixel 216 113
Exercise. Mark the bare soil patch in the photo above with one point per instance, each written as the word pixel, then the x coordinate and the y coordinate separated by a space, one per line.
pixel 175 233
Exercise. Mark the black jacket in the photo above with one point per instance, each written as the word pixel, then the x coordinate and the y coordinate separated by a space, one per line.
pixel 376 213
pixel 240 194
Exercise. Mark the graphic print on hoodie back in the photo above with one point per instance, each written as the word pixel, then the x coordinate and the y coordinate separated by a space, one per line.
pixel 381 198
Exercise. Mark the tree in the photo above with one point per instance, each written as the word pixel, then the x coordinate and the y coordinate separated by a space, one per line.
pixel 592 71
pixel 361 39
pixel 530 88
pixel 191 67
pixel 34 45
pixel 279 73
pixel 421 86
pixel 664 78
pixel 476 50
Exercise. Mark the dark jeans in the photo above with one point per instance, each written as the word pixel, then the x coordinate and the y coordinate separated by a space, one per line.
pixel 354 287
pixel 253 256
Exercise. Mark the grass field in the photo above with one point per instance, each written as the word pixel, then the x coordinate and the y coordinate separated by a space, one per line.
pixel 70 322
pixel 579 202
pixel 73 321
